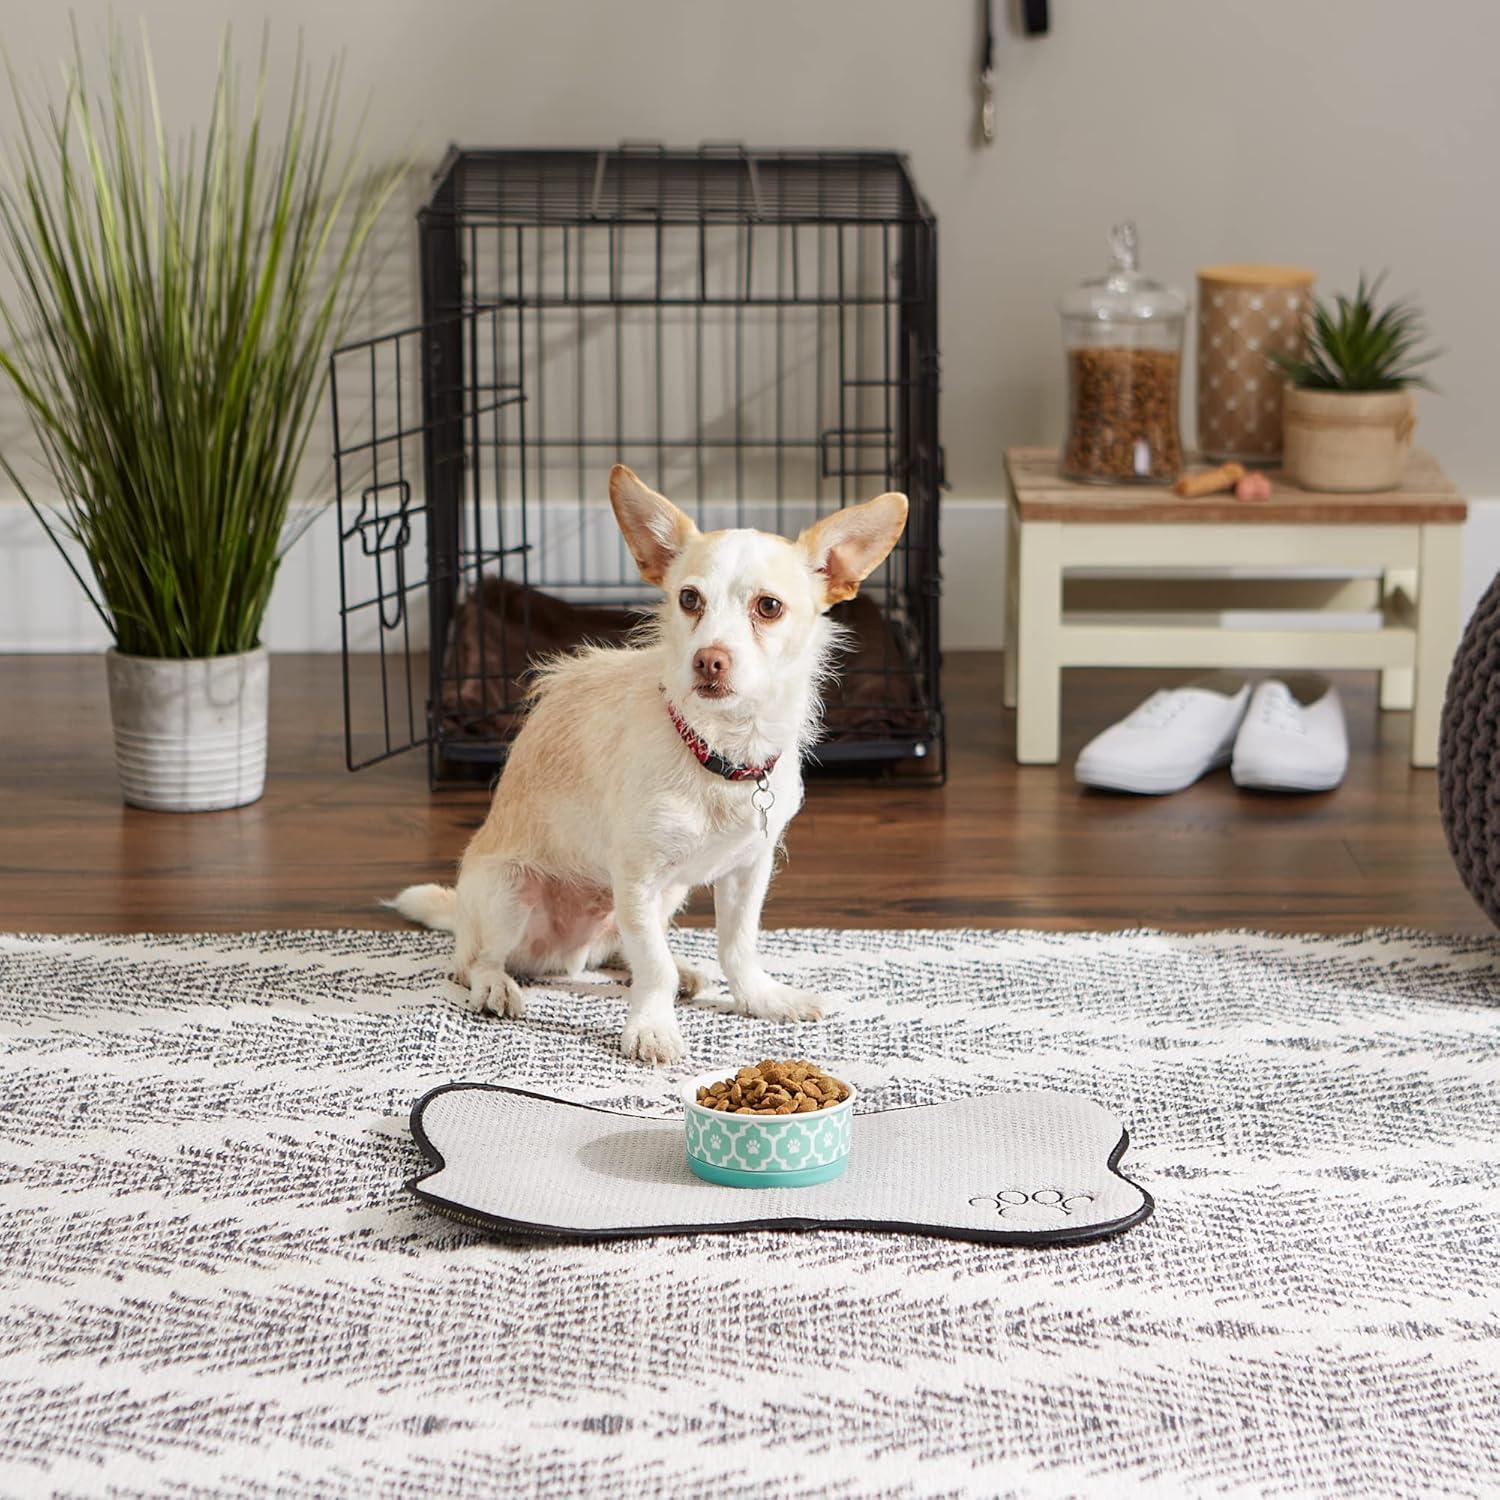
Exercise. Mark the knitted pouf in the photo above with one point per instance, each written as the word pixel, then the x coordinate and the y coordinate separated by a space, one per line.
pixel 1469 755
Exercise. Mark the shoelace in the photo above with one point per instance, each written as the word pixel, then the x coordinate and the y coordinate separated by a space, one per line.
pixel 1279 711
pixel 1160 708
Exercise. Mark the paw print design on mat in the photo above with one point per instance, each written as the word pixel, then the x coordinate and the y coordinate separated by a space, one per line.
pixel 1036 1206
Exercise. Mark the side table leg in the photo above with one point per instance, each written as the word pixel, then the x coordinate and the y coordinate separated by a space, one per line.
pixel 1437 636
pixel 1396 682
pixel 1012 606
pixel 1038 620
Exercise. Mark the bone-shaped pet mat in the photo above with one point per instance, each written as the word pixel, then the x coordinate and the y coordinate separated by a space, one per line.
pixel 1032 1168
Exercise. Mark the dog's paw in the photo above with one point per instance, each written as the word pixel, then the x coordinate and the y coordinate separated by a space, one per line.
pixel 691 981
pixel 492 992
pixel 779 1002
pixel 652 1040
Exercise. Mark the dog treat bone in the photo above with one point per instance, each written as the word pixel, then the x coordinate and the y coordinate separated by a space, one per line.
pixel 797 1087
pixel 1254 486
pixel 1209 481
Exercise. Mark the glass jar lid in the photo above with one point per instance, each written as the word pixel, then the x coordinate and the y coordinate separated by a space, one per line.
pixel 1123 294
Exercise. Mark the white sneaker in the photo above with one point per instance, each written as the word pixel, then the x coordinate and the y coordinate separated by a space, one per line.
pixel 1293 738
pixel 1171 740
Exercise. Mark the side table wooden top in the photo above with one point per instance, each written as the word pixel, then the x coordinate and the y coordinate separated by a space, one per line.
pixel 1425 495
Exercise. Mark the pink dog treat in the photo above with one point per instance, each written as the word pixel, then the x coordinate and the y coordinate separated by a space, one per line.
pixel 1254 486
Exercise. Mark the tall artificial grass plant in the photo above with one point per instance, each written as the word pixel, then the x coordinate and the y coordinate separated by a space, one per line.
pixel 173 305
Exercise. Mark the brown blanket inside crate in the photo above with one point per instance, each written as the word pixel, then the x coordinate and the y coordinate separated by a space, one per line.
pixel 499 632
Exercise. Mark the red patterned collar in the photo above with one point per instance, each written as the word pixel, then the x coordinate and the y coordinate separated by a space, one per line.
pixel 728 769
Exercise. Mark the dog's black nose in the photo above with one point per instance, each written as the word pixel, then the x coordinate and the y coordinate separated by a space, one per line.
pixel 712 662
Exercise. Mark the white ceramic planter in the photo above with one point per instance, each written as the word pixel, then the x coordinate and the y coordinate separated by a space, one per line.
pixel 1346 440
pixel 190 736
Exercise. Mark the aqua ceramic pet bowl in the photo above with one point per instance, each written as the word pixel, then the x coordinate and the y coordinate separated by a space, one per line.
pixel 763 1151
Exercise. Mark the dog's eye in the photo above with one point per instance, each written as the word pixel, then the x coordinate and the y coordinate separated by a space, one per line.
pixel 768 608
pixel 691 600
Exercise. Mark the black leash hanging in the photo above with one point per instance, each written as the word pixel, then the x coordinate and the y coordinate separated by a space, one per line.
pixel 1036 20
pixel 987 76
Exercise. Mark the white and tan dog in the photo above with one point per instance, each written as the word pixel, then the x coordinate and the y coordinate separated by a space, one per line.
pixel 641 772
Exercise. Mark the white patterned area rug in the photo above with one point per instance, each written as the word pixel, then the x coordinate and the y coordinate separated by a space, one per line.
pixel 215 1283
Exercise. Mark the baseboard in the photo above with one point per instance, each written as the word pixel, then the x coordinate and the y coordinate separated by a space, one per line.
pixel 42 608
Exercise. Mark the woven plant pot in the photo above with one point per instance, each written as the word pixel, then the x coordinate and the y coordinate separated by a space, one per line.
pixel 1469 756
pixel 1346 440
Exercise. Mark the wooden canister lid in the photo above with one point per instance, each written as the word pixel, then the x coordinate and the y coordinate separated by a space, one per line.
pixel 1253 275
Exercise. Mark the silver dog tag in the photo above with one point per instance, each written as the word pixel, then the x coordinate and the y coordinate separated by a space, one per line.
pixel 763 799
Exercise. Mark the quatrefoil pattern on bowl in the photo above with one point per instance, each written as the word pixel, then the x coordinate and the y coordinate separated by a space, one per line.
pixel 756 1144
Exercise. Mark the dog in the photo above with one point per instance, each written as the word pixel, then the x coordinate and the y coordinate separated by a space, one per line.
pixel 643 771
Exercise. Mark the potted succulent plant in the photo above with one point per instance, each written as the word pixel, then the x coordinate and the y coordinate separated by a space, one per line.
pixel 1348 414
pixel 172 308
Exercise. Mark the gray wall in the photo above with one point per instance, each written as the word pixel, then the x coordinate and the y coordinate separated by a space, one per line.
pixel 1337 133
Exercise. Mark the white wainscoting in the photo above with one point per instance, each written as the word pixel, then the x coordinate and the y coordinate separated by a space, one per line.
pixel 42 608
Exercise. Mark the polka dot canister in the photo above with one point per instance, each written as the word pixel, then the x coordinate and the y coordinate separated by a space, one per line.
pixel 1245 314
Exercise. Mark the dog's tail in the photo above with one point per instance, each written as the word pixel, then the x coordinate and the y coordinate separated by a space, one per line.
pixel 431 905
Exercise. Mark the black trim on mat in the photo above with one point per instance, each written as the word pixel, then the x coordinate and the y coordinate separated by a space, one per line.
pixel 1063 1235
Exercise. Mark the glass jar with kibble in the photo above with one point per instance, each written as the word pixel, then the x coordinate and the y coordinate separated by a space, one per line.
pixel 797 1087
pixel 1122 337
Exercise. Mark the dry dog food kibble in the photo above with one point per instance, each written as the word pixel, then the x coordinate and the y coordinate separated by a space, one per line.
pixel 775 1088
pixel 1124 414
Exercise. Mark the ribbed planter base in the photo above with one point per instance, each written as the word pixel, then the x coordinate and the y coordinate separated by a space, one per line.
pixel 190 736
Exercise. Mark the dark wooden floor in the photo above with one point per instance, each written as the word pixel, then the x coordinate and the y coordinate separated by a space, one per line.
pixel 1000 845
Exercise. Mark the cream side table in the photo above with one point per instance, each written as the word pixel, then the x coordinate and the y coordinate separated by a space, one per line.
pixel 1405 542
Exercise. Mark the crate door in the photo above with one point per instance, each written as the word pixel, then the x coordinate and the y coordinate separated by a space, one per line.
pixel 385 504
pixel 411 410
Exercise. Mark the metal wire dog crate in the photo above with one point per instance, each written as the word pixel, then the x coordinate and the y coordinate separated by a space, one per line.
pixel 754 332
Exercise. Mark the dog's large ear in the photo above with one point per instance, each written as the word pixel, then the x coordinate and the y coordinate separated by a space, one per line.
pixel 846 547
pixel 655 530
